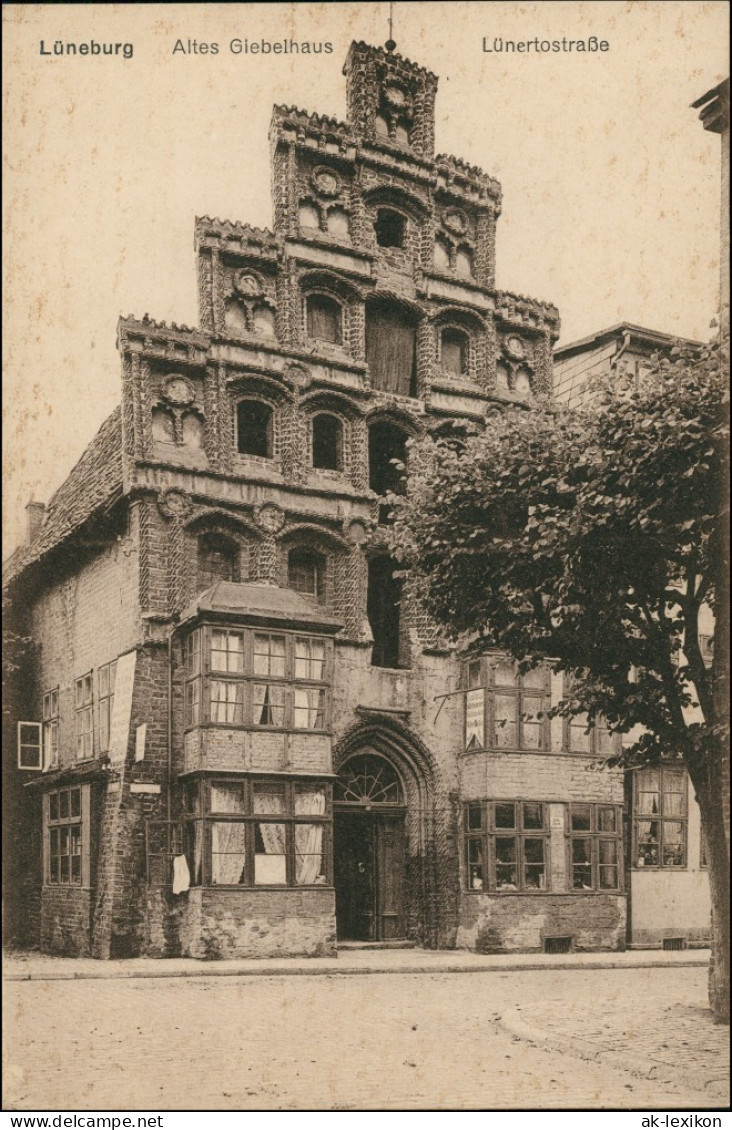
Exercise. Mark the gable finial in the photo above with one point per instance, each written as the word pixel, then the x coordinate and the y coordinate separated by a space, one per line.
pixel 390 44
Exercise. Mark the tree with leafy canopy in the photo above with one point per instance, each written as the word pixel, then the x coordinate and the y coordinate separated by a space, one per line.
pixel 593 538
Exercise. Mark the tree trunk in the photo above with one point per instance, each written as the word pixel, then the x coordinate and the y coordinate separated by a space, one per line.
pixel 710 793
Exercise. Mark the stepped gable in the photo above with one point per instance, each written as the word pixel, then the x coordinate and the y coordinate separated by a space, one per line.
pixel 94 482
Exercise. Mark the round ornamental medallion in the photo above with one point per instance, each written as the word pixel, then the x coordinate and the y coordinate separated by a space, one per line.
pixel 178 390
pixel 395 95
pixel 326 181
pixel 269 517
pixel 174 503
pixel 515 347
pixel 455 221
pixel 247 284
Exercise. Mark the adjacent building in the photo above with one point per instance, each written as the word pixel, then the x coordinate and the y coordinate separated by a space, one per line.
pixel 238 734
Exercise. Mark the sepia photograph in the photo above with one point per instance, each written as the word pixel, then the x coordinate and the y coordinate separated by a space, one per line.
pixel 366 559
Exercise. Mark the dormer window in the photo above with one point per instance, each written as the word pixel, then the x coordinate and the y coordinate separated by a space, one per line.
pixel 254 428
pixel 391 228
pixel 324 318
pixel 454 351
pixel 327 442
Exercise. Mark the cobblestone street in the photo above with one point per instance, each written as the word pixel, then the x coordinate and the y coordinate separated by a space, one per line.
pixel 399 1041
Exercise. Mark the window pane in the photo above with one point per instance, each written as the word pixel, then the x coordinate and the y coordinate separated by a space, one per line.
pixel 606 820
pixel 64 869
pixel 227 702
pixel 309 866
pixel 309 801
pixel 269 704
pixel 475 817
pixel 476 864
pixel 674 793
pixel 605 741
pixel 506 717
pixel 270 861
pixel 535 679
pixel 227 652
pixel 534 875
pixel 63 805
pixel 531 724
pixel 269 656
pixel 506 871
pixel 579 739
pixel 227 797
pixel 309 709
pixel 673 844
pixel 53 806
pixel 580 818
pixel 505 816
pixel 76 802
pixel 648 836
pixel 581 865
pixel 54 841
pixel 533 815
pixel 475 719
pixel 269 800
pixel 309 659
pixel 505 675
pixel 228 854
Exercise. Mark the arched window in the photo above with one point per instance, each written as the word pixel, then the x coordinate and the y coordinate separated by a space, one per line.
pixel 308 216
pixel 383 608
pixel 338 223
pixel 401 134
pixel 454 351
pixel 387 443
pixel 324 318
pixel 391 347
pixel 368 779
pixel 390 228
pixel 441 256
pixel 502 378
pixel 264 321
pixel 235 319
pixel 218 560
pixel 464 264
pixel 254 428
pixel 192 430
pixel 306 571
pixel 381 125
pixel 522 385
pixel 163 428
pixel 327 442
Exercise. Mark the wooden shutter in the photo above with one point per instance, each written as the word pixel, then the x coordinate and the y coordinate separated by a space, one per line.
pixel 391 350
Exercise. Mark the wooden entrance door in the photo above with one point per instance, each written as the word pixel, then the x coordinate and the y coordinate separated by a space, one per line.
pixel 369 875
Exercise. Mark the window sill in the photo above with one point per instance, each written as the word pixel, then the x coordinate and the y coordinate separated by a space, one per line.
pixel 543 894
pixel 262 887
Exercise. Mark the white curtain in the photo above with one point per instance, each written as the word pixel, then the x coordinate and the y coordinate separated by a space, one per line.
pixel 228 853
pixel 309 838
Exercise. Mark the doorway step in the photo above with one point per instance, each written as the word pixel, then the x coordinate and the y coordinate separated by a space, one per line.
pixel 396 944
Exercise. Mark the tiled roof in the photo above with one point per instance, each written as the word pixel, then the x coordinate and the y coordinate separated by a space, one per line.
pixel 95 479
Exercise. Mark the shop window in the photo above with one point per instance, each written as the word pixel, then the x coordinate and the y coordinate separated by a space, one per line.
pixel 64 811
pixel 390 228
pixel 454 351
pixel 594 832
pixel 218 560
pixel 258 833
pixel 83 717
pixel 255 427
pixel 240 677
pixel 327 443
pixel 305 571
pixel 50 728
pixel 660 817
pixel 324 318
pixel 106 677
pixel 391 348
pixel 383 608
pixel 506 846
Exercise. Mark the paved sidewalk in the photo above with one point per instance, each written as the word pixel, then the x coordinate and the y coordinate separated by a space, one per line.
pixel 673 1042
pixel 41 967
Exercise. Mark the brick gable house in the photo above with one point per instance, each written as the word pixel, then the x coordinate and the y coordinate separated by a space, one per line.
pixel 242 737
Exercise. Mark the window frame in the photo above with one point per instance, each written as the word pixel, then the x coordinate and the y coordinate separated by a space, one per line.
pixel 596 836
pixel 269 428
pixel 199 811
pixel 50 714
pixel 60 817
pixel 84 716
pixel 319 566
pixel 487 834
pixel 199 674
pixel 465 346
pixel 106 675
pixel 210 544
pixel 661 818
pixel 339 442
pixel 324 297
pixel 403 223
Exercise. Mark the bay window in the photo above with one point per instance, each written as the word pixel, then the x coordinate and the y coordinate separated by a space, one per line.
pixel 505 710
pixel 507 846
pixel 594 847
pixel 247 678
pixel 258 832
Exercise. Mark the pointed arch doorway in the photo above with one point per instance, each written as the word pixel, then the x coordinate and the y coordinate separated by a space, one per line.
pixel 369 848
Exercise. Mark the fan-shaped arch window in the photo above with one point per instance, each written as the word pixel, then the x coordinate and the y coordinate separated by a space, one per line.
pixel 163 427
pixel 441 256
pixel 390 228
pixel 502 378
pixel 255 428
pixel 324 318
pixel 338 223
pixel 235 319
pixel 306 571
pixel 522 386
pixel 264 321
pixel 308 216
pixel 327 442
pixel 368 779
pixel 454 345
pixel 218 560
pixel 464 264
pixel 381 125
pixel 192 430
